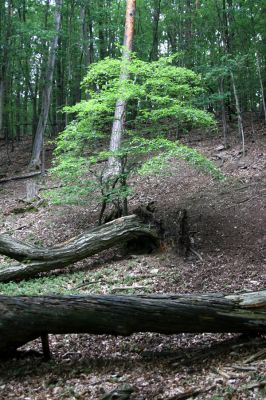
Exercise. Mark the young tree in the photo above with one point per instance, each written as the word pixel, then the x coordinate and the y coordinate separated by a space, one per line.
pixel 159 96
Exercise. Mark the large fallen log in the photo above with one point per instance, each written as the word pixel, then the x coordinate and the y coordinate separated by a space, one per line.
pixel 23 319
pixel 33 259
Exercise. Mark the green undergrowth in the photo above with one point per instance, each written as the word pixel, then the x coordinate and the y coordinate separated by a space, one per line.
pixel 106 280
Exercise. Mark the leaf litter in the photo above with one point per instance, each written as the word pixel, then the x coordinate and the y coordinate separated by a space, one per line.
pixel 227 231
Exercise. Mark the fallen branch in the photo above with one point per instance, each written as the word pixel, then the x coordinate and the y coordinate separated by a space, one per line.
pixel 19 177
pixel 191 393
pixel 24 318
pixel 255 356
pixel 33 259
pixel 255 385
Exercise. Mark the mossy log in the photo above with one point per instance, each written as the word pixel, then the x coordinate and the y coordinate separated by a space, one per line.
pixel 33 259
pixel 23 318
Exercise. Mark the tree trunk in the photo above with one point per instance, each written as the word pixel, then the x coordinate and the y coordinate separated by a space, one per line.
pixel 23 318
pixel 2 91
pixel 239 116
pixel 4 63
pixel 35 259
pixel 114 165
pixel 261 84
pixel 155 41
pixel 35 161
pixel 225 126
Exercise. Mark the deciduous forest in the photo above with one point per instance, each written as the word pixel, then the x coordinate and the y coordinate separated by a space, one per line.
pixel 132 199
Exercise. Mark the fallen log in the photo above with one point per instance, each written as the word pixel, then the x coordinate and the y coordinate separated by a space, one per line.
pixel 23 318
pixel 33 259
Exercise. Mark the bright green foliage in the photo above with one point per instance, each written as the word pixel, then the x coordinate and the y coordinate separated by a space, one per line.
pixel 160 97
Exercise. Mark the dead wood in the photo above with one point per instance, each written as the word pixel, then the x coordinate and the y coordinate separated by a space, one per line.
pixel 33 259
pixel 19 177
pixel 24 318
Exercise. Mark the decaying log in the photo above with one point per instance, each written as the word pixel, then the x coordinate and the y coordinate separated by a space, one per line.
pixel 33 259
pixel 23 318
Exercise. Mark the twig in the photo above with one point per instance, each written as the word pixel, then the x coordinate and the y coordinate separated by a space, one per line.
pixel 255 356
pixel 114 289
pixel 243 368
pixel 222 373
pixel 191 393
pixel 255 385
pixel 196 254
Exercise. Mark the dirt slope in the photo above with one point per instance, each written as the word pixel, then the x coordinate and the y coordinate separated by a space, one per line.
pixel 227 223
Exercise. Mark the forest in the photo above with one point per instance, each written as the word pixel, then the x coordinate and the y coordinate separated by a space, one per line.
pixel 132 199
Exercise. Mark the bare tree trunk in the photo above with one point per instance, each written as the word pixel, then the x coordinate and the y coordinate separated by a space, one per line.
pixel 261 85
pixel 225 126
pixel 239 116
pixel 114 164
pixel 23 318
pixel 35 162
pixel 86 37
pixel 2 91
pixel 5 48
pixel 155 42
pixel 35 259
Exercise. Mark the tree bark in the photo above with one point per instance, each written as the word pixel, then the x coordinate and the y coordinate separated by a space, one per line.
pixel 239 115
pixel 34 260
pixel 23 318
pixel 261 84
pixel 225 126
pixel 114 165
pixel 35 162
pixel 2 91
pixel 4 63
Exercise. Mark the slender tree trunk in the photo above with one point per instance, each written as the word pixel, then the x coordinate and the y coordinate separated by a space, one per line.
pixel 23 319
pixel 155 41
pixel 18 103
pixel 114 165
pixel 224 122
pixel 101 20
pixel 2 91
pixel 239 116
pixel 261 85
pixel 5 50
pixel 35 162
pixel 86 37
pixel 34 98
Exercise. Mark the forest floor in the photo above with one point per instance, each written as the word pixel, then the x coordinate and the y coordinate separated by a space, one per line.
pixel 227 223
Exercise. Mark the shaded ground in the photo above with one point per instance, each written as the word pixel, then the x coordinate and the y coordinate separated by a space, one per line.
pixel 227 227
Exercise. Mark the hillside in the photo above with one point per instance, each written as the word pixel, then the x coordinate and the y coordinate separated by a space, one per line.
pixel 227 229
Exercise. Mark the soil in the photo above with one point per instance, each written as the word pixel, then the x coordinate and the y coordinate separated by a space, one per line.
pixel 227 221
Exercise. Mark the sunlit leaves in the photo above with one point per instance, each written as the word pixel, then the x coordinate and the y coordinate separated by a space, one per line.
pixel 158 94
